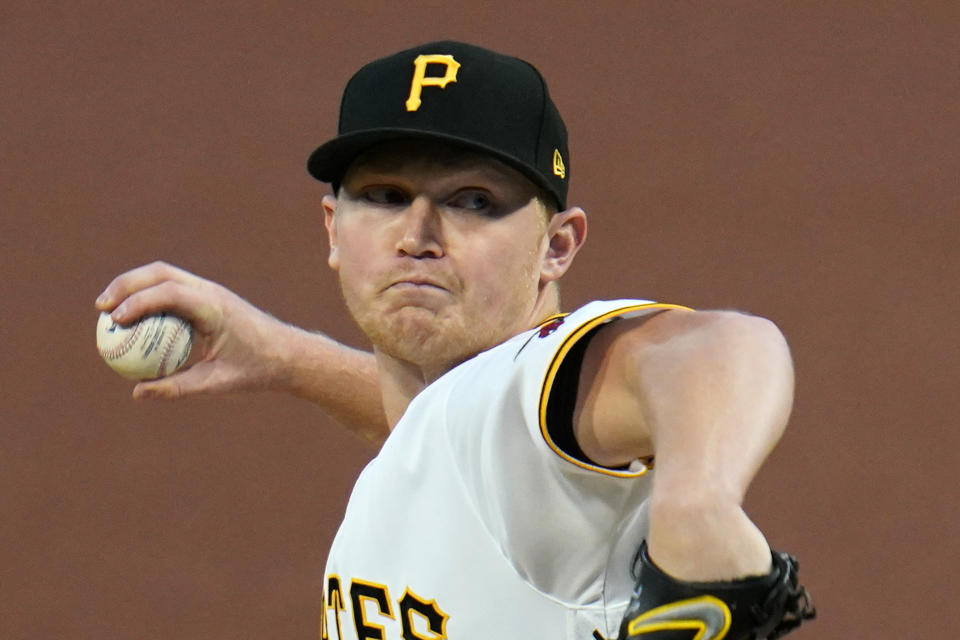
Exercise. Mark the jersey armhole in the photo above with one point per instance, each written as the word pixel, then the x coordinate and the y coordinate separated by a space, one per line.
pixel 558 395
pixel 563 400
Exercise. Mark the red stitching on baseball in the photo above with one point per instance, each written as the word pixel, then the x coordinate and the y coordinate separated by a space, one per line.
pixel 168 350
pixel 125 346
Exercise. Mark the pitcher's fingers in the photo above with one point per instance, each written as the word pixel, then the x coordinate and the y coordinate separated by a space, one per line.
pixel 194 304
pixel 189 381
pixel 134 280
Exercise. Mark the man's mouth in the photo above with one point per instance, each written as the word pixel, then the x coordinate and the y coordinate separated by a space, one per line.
pixel 417 283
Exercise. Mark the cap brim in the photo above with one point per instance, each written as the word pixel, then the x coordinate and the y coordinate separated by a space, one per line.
pixel 330 161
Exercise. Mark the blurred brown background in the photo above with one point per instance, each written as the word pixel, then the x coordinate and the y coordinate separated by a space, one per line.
pixel 795 159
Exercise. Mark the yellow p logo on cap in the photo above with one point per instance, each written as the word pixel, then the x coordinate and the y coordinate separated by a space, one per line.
pixel 420 79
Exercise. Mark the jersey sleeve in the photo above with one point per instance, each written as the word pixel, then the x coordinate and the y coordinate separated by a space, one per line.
pixel 567 525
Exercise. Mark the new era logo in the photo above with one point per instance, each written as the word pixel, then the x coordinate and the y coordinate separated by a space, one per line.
pixel 558 167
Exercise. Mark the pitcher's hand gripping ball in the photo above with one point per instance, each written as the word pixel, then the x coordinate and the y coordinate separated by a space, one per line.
pixel 153 347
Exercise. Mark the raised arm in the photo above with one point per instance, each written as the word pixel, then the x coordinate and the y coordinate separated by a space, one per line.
pixel 241 348
pixel 707 393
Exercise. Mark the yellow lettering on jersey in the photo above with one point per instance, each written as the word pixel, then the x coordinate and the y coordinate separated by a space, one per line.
pixel 361 591
pixel 420 79
pixel 334 602
pixel 559 169
pixel 708 616
pixel 426 611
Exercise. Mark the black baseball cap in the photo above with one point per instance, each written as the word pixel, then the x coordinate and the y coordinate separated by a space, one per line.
pixel 457 93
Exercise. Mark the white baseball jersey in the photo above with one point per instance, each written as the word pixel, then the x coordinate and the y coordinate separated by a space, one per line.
pixel 472 524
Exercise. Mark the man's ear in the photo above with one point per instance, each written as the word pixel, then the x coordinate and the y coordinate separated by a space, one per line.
pixel 566 233
pixel 330 222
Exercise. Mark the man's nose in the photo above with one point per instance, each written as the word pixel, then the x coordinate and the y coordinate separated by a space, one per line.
pixel 420 235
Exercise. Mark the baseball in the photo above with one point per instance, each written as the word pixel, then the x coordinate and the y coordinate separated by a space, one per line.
pixel 152 347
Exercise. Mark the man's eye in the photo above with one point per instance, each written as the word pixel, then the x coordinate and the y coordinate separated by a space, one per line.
pixel 471 200
pixel 385 195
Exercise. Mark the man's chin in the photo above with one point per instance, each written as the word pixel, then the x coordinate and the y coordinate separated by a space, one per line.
pixel 421 336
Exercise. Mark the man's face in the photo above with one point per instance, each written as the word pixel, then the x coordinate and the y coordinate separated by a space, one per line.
pixel 438 252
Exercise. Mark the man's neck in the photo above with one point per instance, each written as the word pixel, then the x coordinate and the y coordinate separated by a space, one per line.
pixel 401 380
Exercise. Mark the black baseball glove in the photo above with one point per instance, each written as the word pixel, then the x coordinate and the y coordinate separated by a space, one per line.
pixel 760 608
